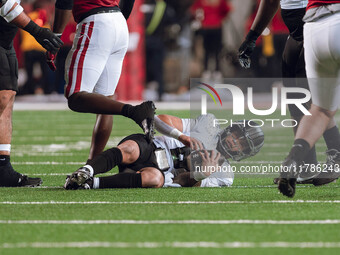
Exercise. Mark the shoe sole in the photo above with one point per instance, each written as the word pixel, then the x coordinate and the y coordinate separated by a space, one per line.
pixel 316 182
pixel 32 185
pixel 285 187
pixel 149 125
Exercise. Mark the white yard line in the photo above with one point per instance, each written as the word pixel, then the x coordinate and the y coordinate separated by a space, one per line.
pixel 171 245
pixel 168 202
pixel 171 222
pixel 48 163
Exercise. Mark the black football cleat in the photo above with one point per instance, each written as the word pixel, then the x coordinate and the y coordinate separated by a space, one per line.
pixel 332 173
pixel 287 186
pixel 77 179
pixel 88 184
pixel 11 178
pixel 26 181
pixel 307 173
pixel 288 176
pixel 143 115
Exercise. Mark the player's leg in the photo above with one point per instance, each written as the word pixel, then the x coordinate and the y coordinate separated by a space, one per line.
pixel 8 88
pixel 148 177
pixel 133 149
pixel 322 71
pixel 101 134
pixel 8 176
pixel 294 75
pixel 106 85
pixel 85 65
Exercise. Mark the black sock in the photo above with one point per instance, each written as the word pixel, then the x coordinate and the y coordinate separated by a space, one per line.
pixel 332 138
pixel 4 159
pixel 311 157
pixel 106 160
pixel 127 110
pixel 299 150
pixel 8 176
pixel 121 180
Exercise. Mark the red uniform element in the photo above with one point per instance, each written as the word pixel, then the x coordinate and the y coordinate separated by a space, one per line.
pixel 214 13
pixel 81 59
pixel 81 7
pixel 317 3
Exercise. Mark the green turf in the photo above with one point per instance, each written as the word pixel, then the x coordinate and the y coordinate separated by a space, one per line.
pixel 51 144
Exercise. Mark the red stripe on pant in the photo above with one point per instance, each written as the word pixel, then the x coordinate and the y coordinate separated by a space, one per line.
pixel 82 58
pixel 74 57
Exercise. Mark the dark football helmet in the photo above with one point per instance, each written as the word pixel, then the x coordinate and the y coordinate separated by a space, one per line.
pixel 240 140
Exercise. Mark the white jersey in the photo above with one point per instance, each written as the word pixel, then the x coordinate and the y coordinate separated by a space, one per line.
pixel 203 130
pixel 293 4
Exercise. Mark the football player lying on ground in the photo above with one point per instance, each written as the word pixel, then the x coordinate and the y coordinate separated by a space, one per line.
pixel 166 161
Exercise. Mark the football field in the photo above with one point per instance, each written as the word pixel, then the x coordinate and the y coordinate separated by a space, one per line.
pixel 250 217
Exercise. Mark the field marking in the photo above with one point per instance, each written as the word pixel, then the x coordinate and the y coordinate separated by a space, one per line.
pixel 48 163
pixel 168 202
pixel 77 163
pixel 173 222
pixel 189 245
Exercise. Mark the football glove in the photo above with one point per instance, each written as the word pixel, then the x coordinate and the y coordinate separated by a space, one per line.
pixel 50 58
pixel 247 48
pixel 44 36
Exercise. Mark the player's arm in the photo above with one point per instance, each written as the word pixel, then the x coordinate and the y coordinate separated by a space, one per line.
pixel 169 125
pixel 13 13
pixel 173 127
pixel 172 121
pixel 265 14
pixel 126 7
pixel 62 15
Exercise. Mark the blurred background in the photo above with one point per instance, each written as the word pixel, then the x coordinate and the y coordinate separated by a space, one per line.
pixel 171 41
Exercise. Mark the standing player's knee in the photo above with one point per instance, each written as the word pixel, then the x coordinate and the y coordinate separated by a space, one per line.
pixel 6 100
pixel 328 113
pixel 75 101
pixel 152 178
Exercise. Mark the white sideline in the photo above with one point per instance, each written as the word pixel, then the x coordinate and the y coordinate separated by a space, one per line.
pixel 171 222
pixel 171 245
pixel 168 202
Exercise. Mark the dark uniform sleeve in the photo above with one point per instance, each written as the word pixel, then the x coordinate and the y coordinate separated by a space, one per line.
pixel 64 4
pixel 126 7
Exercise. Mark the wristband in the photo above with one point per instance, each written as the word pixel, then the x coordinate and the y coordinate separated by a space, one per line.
pixel 252 36
pixel 175 133
pixel 8 5
pixel 7 13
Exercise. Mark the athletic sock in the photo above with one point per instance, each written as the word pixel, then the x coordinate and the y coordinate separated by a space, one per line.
pixel 311 157
pixel 4 159
pixel 332 138
pixel 127 110
pixel 106 160
pixel 8 176
pixel 299 150
pixel 121 180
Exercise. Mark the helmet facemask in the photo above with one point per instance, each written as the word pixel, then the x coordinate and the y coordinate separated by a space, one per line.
pixel 240 141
